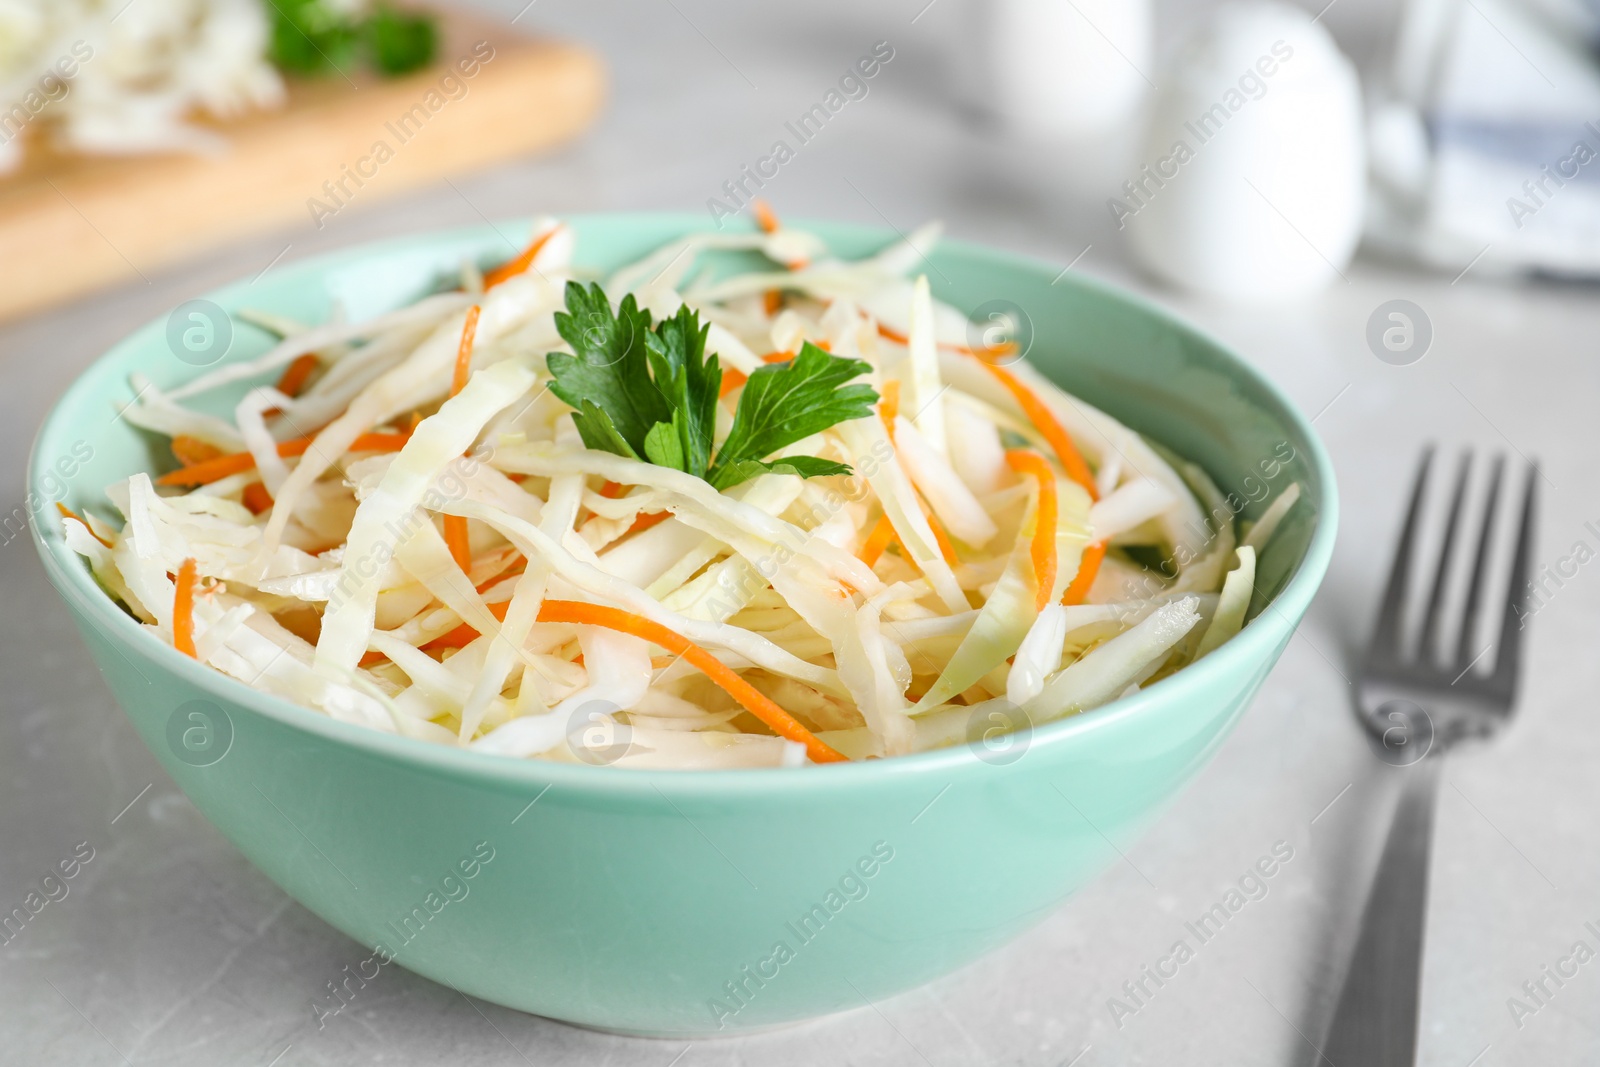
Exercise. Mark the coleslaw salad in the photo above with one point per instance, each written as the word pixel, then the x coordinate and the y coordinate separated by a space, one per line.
pixel 975 538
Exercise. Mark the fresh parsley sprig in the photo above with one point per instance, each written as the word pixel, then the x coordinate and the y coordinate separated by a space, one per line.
pixel 319 37
pixel 648 391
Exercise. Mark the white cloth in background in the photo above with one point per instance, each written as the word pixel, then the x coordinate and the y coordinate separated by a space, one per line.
pixel 1485 143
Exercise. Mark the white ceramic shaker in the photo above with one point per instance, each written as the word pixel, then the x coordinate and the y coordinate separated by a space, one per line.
pixel 1060 69
pixel 1251 182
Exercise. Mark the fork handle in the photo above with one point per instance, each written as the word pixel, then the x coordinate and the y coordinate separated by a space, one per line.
pixel 1375 1024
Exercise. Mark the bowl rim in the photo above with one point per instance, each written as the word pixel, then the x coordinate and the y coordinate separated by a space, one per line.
pixel 1251 645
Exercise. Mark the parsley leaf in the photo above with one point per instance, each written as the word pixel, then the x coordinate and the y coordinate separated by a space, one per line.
pixel 804 466
pixel 608 378
pixel 787 402
pixel 310 38
pixel 320 37
pixel 691 383
pixel 399 41
pixel 663 445
pixel 651 393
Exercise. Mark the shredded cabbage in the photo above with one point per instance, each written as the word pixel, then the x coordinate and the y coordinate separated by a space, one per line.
pixel 488 581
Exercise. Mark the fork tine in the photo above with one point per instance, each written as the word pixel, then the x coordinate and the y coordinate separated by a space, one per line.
pixel 1508 658
pixel 1469 621
pixel 1428 642
pixel 1386 634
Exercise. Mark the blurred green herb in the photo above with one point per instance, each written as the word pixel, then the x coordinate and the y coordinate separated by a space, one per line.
pixel 314 37
pixel 400 42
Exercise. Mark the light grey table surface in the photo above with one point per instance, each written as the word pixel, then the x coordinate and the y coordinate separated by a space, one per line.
pixel 171 949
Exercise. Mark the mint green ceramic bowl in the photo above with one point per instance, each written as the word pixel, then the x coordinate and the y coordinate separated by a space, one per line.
pixel 693 903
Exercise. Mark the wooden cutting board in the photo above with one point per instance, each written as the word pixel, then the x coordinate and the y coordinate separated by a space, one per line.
pixel 69 224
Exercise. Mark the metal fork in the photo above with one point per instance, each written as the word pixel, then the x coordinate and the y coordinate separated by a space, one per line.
pixel 1416 709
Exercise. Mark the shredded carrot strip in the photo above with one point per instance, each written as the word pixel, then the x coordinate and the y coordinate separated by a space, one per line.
pixel 1088 567
pixel 191 450
pixel 183 611
pixel 613 490
pixel 1045 421
pixel 784 357
pixel 992 352
pixel 764 215
pixel 238 462
pixel 889 406
pixel 568 611
pixel 893 334
pixel 878 540
pixel 1043 548
pixel 294 378
pixel 731 380
pixel 513 267
pixel 455 526
pixel 469 334
pixel 464 635
pixel 256 498
pixel 518 565
pixel 758 704
pixel 68 513
pixel 644 522
pixel 296 374
pixel 460 637
pixel 455 538
pixel 772 301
